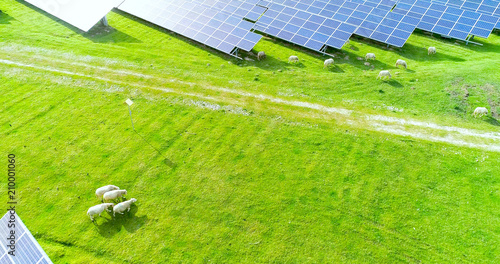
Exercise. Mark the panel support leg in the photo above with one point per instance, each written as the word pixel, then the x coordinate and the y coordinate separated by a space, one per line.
pixel 104 21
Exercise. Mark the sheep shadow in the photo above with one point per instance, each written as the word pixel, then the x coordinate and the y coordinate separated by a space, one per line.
pixel 5 18
pixel 129 220
pixel 393 83
pixel 335 68
pixel 110 34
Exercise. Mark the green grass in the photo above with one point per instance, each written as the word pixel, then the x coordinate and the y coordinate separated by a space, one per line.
pixel 241 179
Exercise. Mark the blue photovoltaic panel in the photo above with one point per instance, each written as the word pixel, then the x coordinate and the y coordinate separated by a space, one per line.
pixel 310 24
pixel 219 29
pixel 446 20
pixel 485 7
pixel 28 251
pixel 313 24
pixel 243 9
pixel 387 27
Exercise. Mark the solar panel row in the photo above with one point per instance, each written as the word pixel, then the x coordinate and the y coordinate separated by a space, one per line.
pixel 445 20
pixel 314 23
pixel 243 9
pixel 304 24
pixel 28 251
pixel 486 7
pixel 218 29
pixel 81 14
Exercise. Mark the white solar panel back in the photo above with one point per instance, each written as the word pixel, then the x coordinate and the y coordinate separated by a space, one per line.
pixel 83 14
pixel 27 249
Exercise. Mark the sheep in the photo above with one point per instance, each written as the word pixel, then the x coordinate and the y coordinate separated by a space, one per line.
pixel 112 195
pixel 402 63
pixel 98 209
pixel 102 190
pixel 261 55
pixel 480 111
pixel 121 207
pixel 370 56
pixel 293 59
pixel 383 74
pixel 431 50
pixel 328 62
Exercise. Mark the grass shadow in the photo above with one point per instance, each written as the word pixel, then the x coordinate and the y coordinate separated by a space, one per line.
pixel 413 52
pixel 5 18
pixel 492 121
pixel 129 220
pixel 107 34
pixel 98 34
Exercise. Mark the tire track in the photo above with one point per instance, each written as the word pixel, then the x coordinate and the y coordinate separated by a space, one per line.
pixel 429 131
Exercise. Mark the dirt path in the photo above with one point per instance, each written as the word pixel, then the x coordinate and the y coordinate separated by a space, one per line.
pixel 458 136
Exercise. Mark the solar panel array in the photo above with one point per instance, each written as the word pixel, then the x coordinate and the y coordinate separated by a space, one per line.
pixel 28 251
pixel 315 24
pixel 487 7
pixel 81 14
pixel 202 21
pixel 446 20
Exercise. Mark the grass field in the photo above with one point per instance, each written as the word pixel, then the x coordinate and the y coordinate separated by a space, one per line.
pixel 236 161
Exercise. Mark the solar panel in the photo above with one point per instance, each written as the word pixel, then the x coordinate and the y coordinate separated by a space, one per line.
pixel 219 29
pixel 305 24
pixel 243 9
pixel 316 23
pixel 28 251
pixel 81 14
pixel 486 7
pixel 445 20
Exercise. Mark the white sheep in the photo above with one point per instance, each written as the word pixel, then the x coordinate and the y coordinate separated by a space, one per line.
pixel 328 62
pixel 121 207
pixel 112 195
pixel 431 50
pixel 383 74
pixel 261 55
pixel 293 59
pixel 369 56
pixel 102 190
pixel 98 209
pixel 480 111
pixel 402 63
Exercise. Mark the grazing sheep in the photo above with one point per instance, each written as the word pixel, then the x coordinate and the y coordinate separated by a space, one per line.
pixel 100 191
pixel 370 56
pixel 328 62
pixel 383 74
pixel 431 50
pixel 98 209
pixel 402 63
pixel 293 59
pixel 112 195
pixel 480 111
pixel 121 207
pixel 261 55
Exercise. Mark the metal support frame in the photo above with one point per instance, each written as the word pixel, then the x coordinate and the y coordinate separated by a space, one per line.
pixel 104 21
pixel 323 49
pixel 468 40
pixel 235 52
